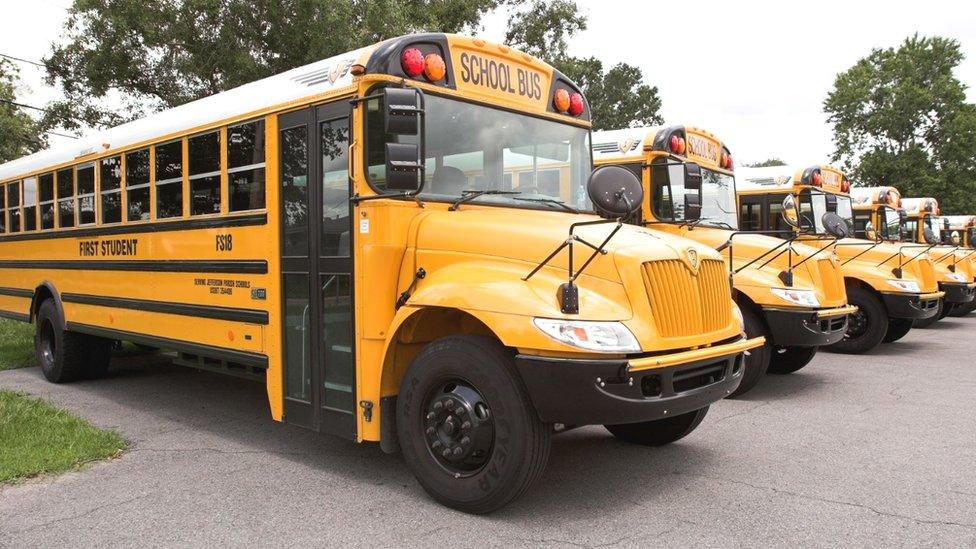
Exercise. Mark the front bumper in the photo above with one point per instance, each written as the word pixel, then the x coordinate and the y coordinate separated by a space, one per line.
pixel 616 391
pixel 912 306
pixel 957 292
pixel 807 328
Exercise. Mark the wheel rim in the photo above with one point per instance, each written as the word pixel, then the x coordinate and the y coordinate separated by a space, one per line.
pixel 459 427
pixel 857 325
pixel 47 341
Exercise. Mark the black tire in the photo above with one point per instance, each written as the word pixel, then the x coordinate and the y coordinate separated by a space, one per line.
pixel 660 431
pixel 946 309
pixel 756 363
pixel 963 309
pixel 897 329
pixel 60 353
pixel 867 327
pixel 926 322
pixel 507 444
pixel 790 359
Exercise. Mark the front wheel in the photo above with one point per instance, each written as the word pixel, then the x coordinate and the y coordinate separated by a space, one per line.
pixel 963 309
pixel 926 322
pixel 467 428
pixel 867 327
pixel 659 431
pixel 791 359
pixel 755 363
pixel 897 329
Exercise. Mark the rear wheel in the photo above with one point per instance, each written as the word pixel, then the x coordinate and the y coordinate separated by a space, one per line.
pixel 60 353
pixel 897 329
pixel 963 309
pixel 866 328
pixel 466 426
pixel 926 322
pixel 790 359
pixel 660 431
pixel 757 361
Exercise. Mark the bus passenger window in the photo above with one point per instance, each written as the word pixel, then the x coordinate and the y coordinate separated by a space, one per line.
pixel 204 169
pixel 169 180
pixel 3 209
pixel 137 185
pixel 66 201
pixel 85 182
pixel 110 181
pixel 245 166
pixel 750 217
pixel 13 204
pixel 30 204
pixel 46 194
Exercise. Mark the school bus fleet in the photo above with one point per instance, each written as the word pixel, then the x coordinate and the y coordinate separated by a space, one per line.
pixel 421 244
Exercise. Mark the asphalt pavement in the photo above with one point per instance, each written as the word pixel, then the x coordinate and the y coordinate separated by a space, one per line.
pixel 874 450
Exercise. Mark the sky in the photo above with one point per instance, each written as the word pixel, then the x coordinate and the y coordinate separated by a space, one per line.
pixel 753 73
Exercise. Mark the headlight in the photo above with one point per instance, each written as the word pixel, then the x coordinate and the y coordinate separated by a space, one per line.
pixel 804 298
pixel 958 277
pixel 607 337
pixel 905 285
pixel 737 313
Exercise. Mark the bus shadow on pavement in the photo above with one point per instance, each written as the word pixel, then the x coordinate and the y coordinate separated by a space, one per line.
pixel 173 410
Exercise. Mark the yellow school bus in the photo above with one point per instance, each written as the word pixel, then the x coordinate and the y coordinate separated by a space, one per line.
pixel 961 232
pixel 924 226
pixel 369 235
pixel 790 293
pixel 892 285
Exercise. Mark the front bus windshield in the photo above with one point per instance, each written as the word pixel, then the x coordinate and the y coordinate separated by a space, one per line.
pixel 889 219
pixel 814 204
pixel 718 207
pixel 535 162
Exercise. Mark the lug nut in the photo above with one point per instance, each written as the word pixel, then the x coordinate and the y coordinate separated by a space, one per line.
pixel 430 430
pixel 465 441
pixel 466 425
pixel 431 415
pixel 450 404
pixel 446 452
pixel 436 444
pixel 438 405
pixel 457 452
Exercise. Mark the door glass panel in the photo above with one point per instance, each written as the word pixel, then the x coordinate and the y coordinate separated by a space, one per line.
pixel 294 190
pixel 335 188
pixel 298 382
pixel 337 390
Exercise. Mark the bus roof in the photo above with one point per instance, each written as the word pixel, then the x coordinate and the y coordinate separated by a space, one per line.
pixel 307 82
pixel 624 143
pixel 921 205
pixel 770 177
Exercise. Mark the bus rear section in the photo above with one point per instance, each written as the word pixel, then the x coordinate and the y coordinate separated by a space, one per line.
pixel 791 293
pixel 394 238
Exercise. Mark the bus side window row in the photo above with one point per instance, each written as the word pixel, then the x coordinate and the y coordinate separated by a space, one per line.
pixel 197 158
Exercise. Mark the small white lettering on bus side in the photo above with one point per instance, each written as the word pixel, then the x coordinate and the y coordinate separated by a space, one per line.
pixel 105 248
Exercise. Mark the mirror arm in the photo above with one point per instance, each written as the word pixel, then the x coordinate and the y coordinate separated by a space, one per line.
pixel 811 256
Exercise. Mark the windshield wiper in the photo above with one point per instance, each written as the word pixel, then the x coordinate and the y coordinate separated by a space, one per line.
pixel 552 201
pixel 696 222
pixel 468 196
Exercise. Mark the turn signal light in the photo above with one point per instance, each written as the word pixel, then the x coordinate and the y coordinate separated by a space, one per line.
pixel 677 144
pixel 434 67
pixel 561 100
pixel 412 62
pixel 575 104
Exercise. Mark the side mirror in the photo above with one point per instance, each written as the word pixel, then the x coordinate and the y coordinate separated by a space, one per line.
pixel 402 166
pixel 693 176
pixel 835 225
pixel 615 191
pixel 930 237
pixel 402 114
pixel 693 206
pixel 790 214
pixel 869 232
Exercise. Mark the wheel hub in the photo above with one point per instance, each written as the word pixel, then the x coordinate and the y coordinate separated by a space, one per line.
pixel 459 428
pixel 856 325
pixel 47 341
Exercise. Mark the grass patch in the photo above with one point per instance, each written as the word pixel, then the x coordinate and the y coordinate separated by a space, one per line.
pixel 37 438
pixel 16 344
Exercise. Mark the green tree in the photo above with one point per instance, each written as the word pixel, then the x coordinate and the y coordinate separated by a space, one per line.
pixel 900 118
pixel 160 54
pixel 768 163
pixel 618 97
pixel 20 134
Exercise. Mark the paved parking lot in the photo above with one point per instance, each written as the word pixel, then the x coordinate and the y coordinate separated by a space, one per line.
pixel 874 450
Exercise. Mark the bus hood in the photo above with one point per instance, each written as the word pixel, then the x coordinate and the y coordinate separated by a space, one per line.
pixel 880 260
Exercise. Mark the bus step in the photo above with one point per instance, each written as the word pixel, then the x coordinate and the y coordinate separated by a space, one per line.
pixel 235 369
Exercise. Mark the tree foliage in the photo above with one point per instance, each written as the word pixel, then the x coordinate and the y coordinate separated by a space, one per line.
pixel 20 134
pixel 768 163
pixel 900 118
pixel 618 97
pixel 154 55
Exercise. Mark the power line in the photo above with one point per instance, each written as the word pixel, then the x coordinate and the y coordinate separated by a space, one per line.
pixel 61 134
pixel 25 106
pixel 35 63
